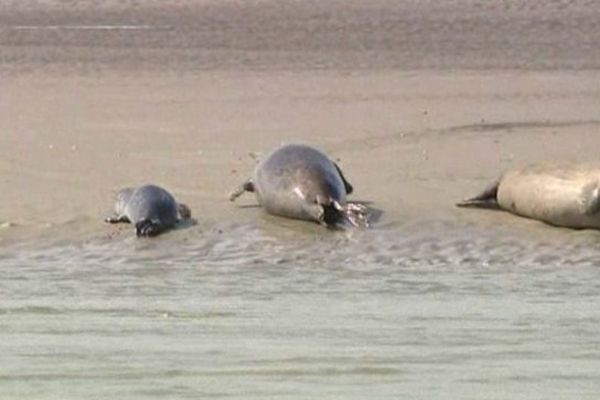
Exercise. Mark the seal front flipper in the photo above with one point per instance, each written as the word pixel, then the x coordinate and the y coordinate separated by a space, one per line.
pixel 486 199
pixel 347 185
pixel 247 186
pixel 115 219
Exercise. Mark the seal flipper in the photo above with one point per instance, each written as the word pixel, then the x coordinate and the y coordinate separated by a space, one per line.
pixel 486 199
pixel 347 185
pixel 115 219
pixel 323 211
pixel 331 213
pixel 147 227
pixel 355 213
pixel 183 211
pixel 247 186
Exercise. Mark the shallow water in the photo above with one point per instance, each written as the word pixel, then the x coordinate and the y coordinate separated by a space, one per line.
pixel 277 309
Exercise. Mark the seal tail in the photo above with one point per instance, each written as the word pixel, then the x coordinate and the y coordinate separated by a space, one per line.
pixel 486 199
pixel 355 213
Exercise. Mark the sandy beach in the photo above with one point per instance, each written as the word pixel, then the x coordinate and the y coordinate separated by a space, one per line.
pixel 411 142
pixel 419 107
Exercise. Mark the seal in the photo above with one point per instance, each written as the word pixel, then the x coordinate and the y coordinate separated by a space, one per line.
pixel 564 194
pixel 150 208
pixel 298 181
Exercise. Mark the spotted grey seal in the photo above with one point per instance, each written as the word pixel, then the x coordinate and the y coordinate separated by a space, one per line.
pixel 560 194
pixel 150 208
pixel 298 181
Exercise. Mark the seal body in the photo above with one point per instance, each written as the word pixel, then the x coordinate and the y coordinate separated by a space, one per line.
pixel 295 179
pixel 150 208
pixel 560 194
pixel 299 181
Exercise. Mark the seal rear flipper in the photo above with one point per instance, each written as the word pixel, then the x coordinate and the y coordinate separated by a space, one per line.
pixel 486 199
pixel 183 211
pixel 347 185
pixel 322 211
pixel 247 186
pixel 333 213
pixel 355 213
pixel 147 227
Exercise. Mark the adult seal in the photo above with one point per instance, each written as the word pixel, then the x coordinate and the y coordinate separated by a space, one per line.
pixel 150 208
pixel 298 181
pixel 565 195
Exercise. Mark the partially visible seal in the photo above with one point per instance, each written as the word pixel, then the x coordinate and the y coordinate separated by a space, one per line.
pixel 298 181
pixel 560 194
pixel 150 208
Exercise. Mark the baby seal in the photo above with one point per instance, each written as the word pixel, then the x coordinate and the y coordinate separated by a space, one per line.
pixel 150 208
pixel 559 194
pixel 298 181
